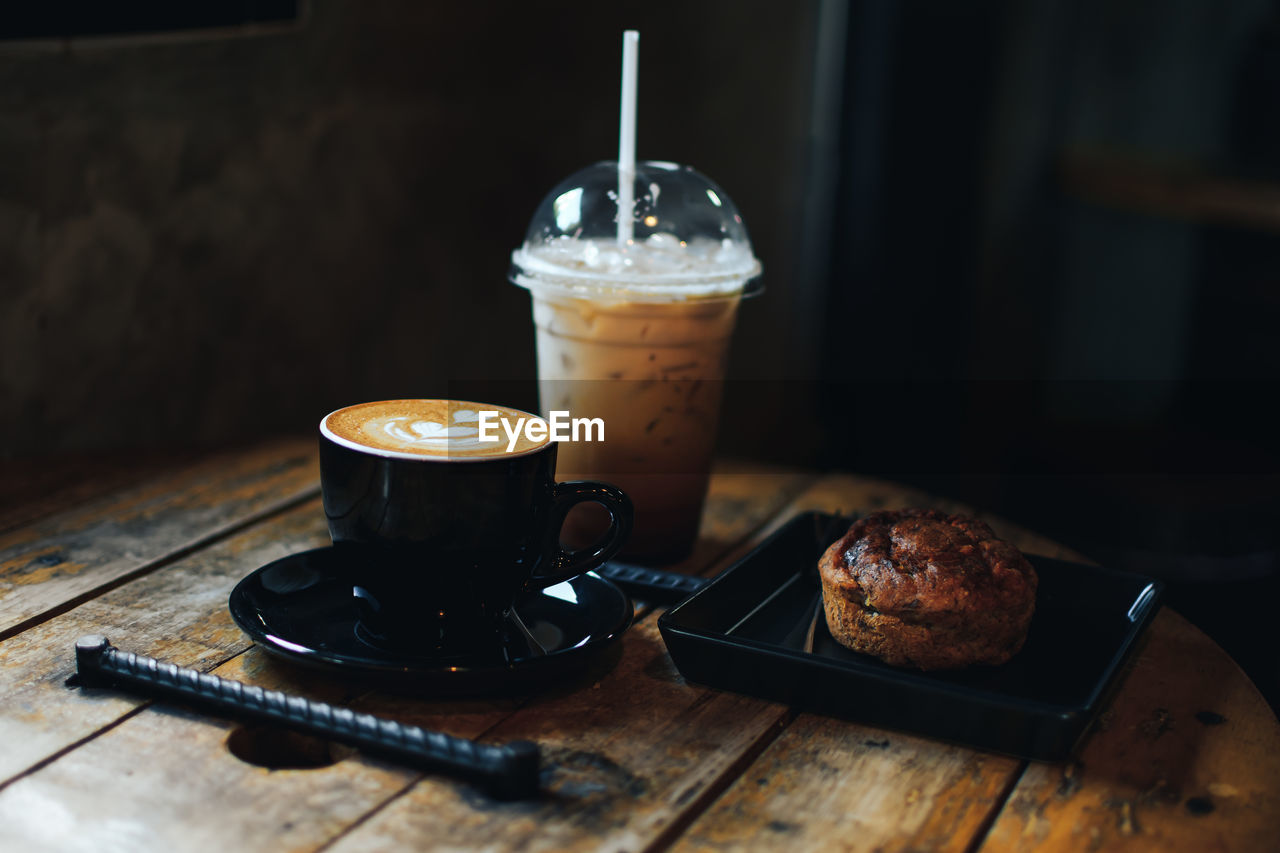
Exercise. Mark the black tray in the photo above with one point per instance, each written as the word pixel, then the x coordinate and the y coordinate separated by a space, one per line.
pixel 746 632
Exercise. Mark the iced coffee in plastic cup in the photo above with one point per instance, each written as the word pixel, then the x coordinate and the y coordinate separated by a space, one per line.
pixel 636 332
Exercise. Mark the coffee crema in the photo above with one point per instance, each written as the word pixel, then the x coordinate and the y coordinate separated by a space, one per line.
pixel 439 429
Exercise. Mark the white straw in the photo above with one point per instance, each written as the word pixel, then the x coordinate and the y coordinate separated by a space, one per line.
pixel 627 137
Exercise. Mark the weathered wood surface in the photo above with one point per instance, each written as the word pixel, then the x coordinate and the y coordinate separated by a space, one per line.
pixel 1160 772
pixel 636 760
pixel 625 759
pixel 68 557
pixel 1187 757
pixel 164 779
pixel 178 612
pixel 34 487
pixel 826 784
pixel 660 771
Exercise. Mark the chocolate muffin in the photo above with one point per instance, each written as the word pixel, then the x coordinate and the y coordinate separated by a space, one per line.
pixel 922 588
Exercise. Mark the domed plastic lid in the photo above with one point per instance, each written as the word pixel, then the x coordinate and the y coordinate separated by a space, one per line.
pixel 686 238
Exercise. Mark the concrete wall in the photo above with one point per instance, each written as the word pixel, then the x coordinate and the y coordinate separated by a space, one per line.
pixel 208 239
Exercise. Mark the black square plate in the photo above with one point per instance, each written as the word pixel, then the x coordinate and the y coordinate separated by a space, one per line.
pixel 746 632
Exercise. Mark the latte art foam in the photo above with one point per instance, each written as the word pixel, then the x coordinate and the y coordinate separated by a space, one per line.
pixel 442 429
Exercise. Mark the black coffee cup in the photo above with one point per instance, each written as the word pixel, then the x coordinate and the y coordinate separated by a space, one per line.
pixel 438 545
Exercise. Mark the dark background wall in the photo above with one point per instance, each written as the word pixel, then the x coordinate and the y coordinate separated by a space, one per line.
pixel 1024 254
pixel 205 237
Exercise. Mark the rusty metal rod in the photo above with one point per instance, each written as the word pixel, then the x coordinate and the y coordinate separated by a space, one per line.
pixel 508 772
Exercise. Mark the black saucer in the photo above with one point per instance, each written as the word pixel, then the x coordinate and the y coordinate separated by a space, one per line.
pixel 297 610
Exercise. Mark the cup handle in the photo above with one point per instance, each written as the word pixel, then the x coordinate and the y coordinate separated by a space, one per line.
pixel 567 564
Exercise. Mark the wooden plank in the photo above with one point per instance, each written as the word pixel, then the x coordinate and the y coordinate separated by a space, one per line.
pixel 624 757
pixel 1179 671
pixel 635 758
pixel 1185 758
pixel 829 785
pixel 868 792
pixel 178 613
pixel 150 777
pixel 1145 781
pixel 68 557
pixel 167 779
pixel 632 759
pixel 170 779
pixel 35 487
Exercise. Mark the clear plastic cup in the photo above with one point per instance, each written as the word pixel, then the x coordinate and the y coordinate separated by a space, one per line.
pixel 636 333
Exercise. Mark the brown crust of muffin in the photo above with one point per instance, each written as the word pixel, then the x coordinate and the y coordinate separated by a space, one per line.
pixel 922 588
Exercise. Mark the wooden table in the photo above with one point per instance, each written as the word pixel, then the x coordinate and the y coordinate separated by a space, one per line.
pixel 1186 758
